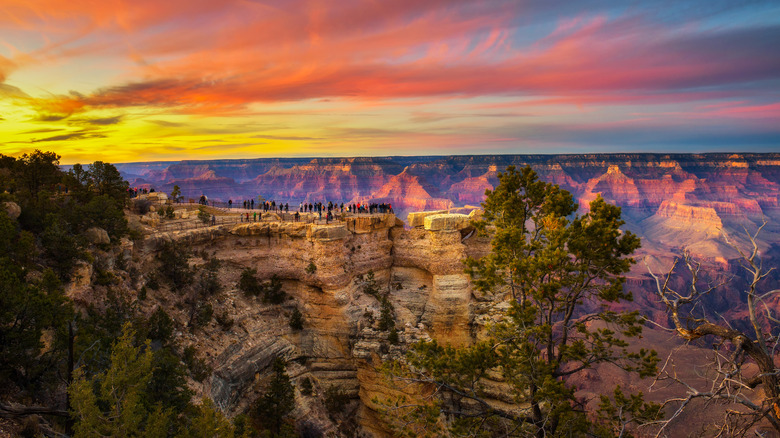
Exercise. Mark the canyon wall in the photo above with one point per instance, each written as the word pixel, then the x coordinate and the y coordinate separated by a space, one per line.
pixel 324 269
pixel 672 201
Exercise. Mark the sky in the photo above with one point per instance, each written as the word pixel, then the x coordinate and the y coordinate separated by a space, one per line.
pixel 147 80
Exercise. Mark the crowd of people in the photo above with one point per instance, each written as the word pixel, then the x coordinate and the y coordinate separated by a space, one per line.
pixel 328 210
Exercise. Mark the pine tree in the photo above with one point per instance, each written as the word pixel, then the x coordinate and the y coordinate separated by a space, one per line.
pixel 278 401
pixel 560 272
pixel 111 403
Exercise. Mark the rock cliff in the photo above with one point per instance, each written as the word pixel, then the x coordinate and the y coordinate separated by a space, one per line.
pixel 740 188
pixel 323 269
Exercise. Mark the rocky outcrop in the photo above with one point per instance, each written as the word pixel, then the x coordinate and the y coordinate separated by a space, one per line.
pixel 690 215
pixel 417 218
pixel 323 269
pixel 97 236
pixel 447 222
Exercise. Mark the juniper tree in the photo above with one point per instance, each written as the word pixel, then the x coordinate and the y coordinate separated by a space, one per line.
pixel 561 271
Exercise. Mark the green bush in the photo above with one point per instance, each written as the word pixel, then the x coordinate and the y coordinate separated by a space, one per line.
pixel 272 291
pixel 307 388
pixel 224 320
pixel 248 283
pixel 174 265
pixel 393 336
pixel 335 400
pixel 203 215
pixel 199 370
pixel 296 319
pixel 386 320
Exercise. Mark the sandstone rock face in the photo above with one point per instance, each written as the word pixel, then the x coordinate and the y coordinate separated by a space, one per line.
pixel 367 224
pixel 417 219
pixel 328 233
pixel 323 269
pixel 447 222
pixel 686 214
pixel 12 209
pixel 97 236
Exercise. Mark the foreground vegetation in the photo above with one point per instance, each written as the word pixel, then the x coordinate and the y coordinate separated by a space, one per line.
pixel 103 368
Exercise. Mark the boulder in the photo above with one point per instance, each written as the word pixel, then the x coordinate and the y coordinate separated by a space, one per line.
pixel 417 219
pixel 13 209
pixel 367 224
pixel 447 222
pixel 328 233
pixel 97 236
pixel 157 197
pixel 250 229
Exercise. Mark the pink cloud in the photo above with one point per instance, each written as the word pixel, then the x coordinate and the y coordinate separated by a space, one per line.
pixel 204 57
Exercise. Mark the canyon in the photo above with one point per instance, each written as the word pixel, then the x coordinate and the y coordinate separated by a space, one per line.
pixel 674 203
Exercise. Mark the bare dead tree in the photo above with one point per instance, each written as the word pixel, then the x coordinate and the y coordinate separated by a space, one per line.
pixel 729 379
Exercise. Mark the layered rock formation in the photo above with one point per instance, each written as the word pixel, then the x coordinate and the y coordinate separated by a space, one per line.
pixel 660 193
pixel 324 270
pixel 674 202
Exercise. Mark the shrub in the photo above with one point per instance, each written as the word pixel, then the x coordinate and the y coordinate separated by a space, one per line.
pixel 386 320
pixel 312 268
pixel 160 326
pixel 174 265
pixel 142 293
pixel 369 286
pixel 142 206
pixel 248 283
pixel 272 291
pixel 203 315
pixel 307 388
pixel 224 320
pixel 152 282
pixel 198 368
pixel 208 282
pixel 393 336
pixel 335 399
pixel 296 320
pixel 203 215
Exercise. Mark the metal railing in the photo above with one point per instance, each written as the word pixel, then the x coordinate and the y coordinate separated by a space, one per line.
pixel 168 225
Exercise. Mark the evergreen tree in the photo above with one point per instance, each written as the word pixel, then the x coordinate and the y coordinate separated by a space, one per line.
pixel 176 193
pixel 209 422
pixel 248 282
pixel 105 179
pixel 27 308
pixel 278 401
pixel 174 265
pixel 111 403
pixel 561 272
pixel 296 319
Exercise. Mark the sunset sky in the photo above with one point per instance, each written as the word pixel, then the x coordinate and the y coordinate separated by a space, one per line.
pixel 143 80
